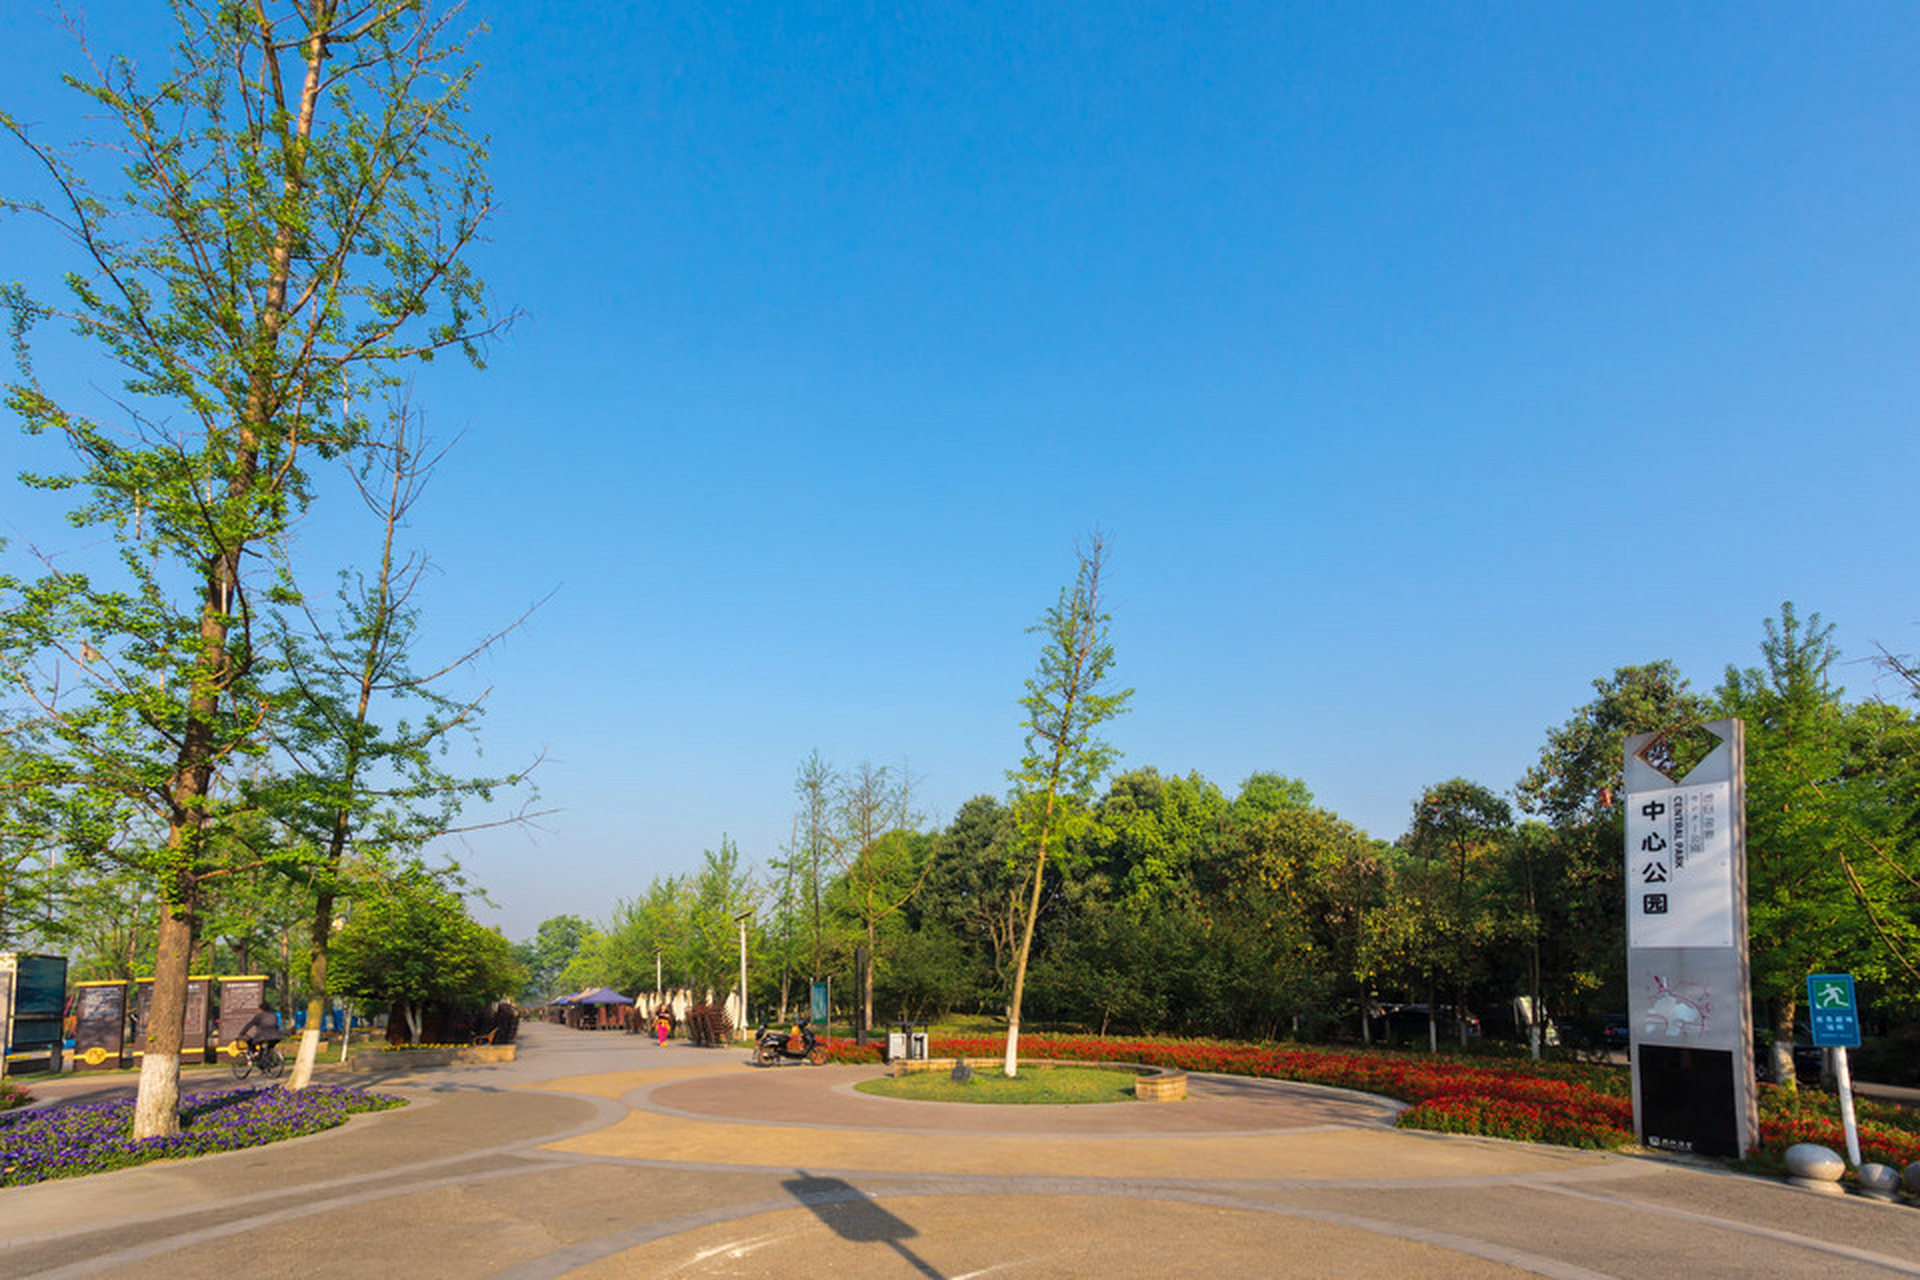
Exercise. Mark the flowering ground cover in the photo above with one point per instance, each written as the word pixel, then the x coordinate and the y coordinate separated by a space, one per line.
pixel 13 1095
pixel 1889 1135
pixel 1565 1104
pixel 63 1142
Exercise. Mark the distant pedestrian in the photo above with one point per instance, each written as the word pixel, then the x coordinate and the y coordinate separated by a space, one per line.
pixel 661 1026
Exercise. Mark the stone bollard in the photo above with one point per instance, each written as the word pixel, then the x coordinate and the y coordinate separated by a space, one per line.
pixel 1878 1181
pixel 1913 1177
pixel 1815 1168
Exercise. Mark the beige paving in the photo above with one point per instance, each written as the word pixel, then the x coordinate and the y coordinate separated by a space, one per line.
pixel 601 1156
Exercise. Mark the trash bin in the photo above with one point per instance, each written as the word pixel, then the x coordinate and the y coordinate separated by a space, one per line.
pixel 909 1041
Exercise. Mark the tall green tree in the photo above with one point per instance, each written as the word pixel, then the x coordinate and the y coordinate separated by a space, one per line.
pixel 1068 698
pixel 1151 833
pixel 817 785
pixel 361 733
pixel 720 891
pixel 973 893
pixel 1575 787
pixel 547 954
pixel 411 943
pixel 1456 841
pixel 288 229
pixel 1827 817
pixel 882 865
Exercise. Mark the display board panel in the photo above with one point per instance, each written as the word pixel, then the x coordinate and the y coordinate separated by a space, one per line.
pixel 33 997
pixel 100 1026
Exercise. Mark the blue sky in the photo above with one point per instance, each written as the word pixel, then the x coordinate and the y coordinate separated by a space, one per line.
pixel 1422 363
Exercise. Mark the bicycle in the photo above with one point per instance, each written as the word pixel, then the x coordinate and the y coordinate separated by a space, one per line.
pixel 264 1058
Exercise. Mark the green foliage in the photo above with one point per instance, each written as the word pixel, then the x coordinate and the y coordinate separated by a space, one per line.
pixel 1268 793
pixel 415 944
pixel 1068 698
pixel 546 956
pixel 1454 849
pixel 287 233
pixel 1579 874
pixel 1150 833
pixel 687 920
pixel 1831 864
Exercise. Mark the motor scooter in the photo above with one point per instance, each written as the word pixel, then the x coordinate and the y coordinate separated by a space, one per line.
pixel 775 1046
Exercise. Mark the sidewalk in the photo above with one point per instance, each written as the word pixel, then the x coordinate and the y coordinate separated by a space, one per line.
pixel 598 1154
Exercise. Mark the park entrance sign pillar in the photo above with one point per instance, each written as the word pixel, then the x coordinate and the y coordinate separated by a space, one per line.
pixel 1688 985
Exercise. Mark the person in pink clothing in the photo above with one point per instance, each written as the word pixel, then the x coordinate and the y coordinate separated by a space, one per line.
pixel 661 1026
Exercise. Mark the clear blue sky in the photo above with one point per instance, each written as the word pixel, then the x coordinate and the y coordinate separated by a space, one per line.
pixel 1422 363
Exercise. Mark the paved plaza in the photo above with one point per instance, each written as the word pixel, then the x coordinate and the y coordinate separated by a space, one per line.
pixel 603 1155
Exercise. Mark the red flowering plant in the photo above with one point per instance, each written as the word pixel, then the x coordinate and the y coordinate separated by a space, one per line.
pixel 1444 1094
pixel 1562 1104
pixel 1888 1134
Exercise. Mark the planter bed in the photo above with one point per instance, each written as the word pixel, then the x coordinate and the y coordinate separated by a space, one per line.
pixel 1150 1084
pixel 431 1056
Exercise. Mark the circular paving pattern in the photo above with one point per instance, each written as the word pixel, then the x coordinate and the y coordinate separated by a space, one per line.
pixel 825 1096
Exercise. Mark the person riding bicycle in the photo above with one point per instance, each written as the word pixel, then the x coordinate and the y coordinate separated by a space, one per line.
pixel 262 1031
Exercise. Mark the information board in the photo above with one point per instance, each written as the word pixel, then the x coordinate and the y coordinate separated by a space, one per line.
pixel 33 997
pixel 99 1026
pixel 240 999
pixel 1680 867
pixel 194 1028
pixel 1690 1016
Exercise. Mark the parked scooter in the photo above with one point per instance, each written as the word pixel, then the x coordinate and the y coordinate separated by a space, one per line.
pixel 772 1047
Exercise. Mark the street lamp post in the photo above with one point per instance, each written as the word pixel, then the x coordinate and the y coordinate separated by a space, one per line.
pixel 657 996
pixel 741 919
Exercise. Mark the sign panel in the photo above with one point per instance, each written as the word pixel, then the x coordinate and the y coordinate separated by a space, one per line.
pixel 1680 867
pixel 1832 1012
pixel 193 1031
pixel 240 999
pixel 821 992
pixel 1689 1004
pixel 33 996
pixel 99 1025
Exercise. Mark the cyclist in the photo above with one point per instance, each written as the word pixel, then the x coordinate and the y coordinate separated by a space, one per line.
pixel 261 1031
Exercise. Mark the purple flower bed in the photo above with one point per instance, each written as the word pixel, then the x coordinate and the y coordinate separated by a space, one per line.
pixel 63 1142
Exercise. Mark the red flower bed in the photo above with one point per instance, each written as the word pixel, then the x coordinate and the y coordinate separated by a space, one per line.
pixel 1446 1095
pixel 1878 1142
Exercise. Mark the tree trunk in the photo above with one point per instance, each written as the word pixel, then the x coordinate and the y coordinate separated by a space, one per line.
pixel 1012 1064
pixel 157 1105
pixel 302 1074
pixel 1784 1076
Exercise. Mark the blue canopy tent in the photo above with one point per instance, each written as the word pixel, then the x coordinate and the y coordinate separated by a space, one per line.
pixel 600 1008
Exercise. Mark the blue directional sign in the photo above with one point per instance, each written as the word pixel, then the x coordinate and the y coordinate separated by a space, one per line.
pixel 1831 1011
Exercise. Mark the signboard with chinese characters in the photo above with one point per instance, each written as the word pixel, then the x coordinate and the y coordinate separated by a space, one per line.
pixel 240 999
pixel 1680 868
pixel 100 1026
pixel 1831 1011
pixel 1689 1009
pixel 193 1033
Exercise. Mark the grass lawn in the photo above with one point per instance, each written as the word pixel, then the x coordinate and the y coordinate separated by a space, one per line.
pixel 1055 1084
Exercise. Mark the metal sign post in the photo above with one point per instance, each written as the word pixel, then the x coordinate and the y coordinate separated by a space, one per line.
pixel 1688 992
pixel 1835 1019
